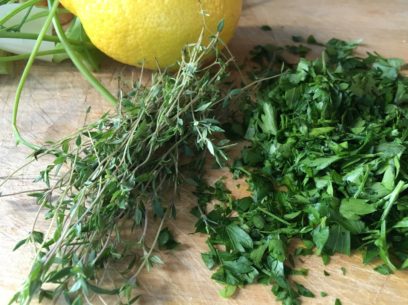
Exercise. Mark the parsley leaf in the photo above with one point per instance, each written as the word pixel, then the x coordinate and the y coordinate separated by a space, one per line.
pixel 239 238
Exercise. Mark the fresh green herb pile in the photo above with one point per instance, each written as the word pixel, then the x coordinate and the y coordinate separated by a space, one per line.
pixel 327 165
pixel 104 178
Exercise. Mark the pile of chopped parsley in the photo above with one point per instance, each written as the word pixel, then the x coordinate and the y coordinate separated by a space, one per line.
pixel 326 165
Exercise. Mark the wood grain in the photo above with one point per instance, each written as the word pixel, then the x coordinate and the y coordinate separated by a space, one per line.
pixel 54 102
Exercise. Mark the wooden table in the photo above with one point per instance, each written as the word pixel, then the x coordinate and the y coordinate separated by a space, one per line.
pixel 54 102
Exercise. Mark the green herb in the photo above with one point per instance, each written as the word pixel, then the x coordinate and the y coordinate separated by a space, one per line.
pixel 301 271
pixel 228 291
pixel 113 173
pixel 312 40
pixel 323 294
pixel 300 50
pixel 383 269
pixel 325 164
pixel 266 28
pixel 304 291
pixel 166 239
pixel 337 302
pixel 309 40
pixel 343 270
pixel 297 38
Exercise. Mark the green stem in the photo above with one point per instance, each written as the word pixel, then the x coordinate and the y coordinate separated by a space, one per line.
pixel 19 9
pixel 274 216
pixel 30 36
pixel 18 28
pixel 27 55
pixel 51 38
pixel 382 241
pixel 24 76
pixel 401 186
pixel 152 247
pixel 76 59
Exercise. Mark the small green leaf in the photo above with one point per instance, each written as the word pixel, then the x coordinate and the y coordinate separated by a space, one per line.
pixel 77 285
pixel 210 147
pixel 325 259
pixel 157 207
pixel 78 141
pixel 166 239
pixel 240 239
pixel 266 28
pixel 352 208
pixel 370 254
pixel 320 163
pixel 155 260
pixel 403 223
pixel 383 269
pixel 204 107
pixel 228 291
pixel 303 291
pixel 268 120
pixel 389 177
pixel 339 240
pixel 20 243
pixel 257 254
pixel 312 40
pixel 276 249
pixel 258 221
pixel 208 259
pixel 220 26
pixel 45 294
pixel 55 277
pixel 390 149
pixel 297 38
pixel 65 146
pixel 315 132
pixel 337 302
pixel 320 237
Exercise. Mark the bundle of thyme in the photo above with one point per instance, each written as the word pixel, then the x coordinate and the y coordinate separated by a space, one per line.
pixel 111 171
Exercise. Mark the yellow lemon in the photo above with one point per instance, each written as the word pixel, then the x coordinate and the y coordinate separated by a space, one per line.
pixel 152 33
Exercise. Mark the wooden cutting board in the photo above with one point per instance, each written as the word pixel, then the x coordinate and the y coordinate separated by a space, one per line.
pixel 54 102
